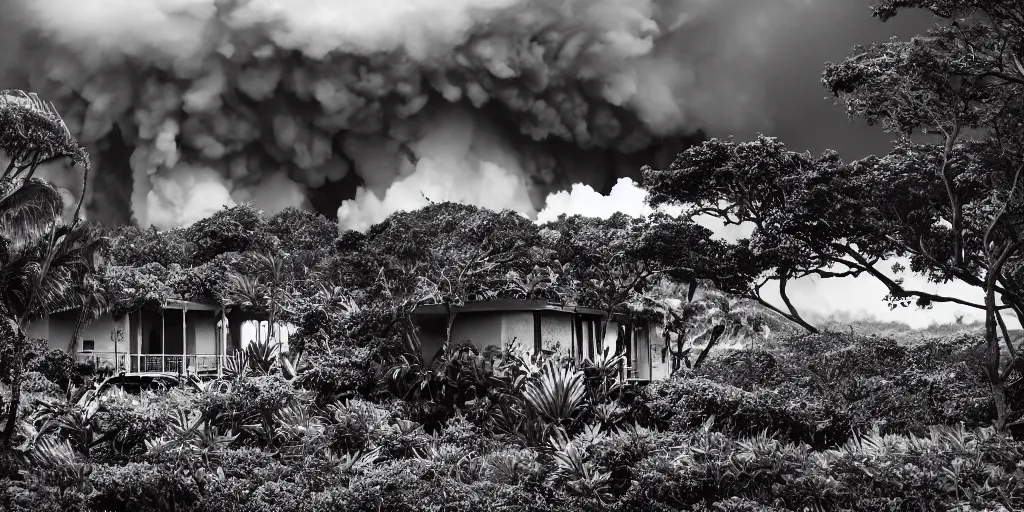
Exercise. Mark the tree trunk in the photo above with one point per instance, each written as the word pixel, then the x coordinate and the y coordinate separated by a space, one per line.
pixel 17 370
pixel 79 324
pixel 993 352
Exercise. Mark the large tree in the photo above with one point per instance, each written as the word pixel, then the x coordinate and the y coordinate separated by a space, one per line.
pixel 610 264
pixel 43 260
pixel 948 199
pixel 445 253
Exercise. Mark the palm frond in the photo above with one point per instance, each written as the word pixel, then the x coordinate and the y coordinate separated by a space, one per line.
pixel 27 208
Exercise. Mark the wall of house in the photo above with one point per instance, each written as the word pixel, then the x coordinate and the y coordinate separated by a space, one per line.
pixel 479 329
pixel 431 335
pixel 661 359
pixel 587 338
pixel 642 357
pixel 58 328
pixel 152 332
pixel 518 325
pixel 101 332
pixel 39 329
pixel 62 326
pixel 610 337
pixel 556 332
pixel 201 332
pixel 174 337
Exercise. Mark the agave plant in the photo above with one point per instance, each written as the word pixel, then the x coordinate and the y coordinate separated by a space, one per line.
pixel 56 463
pixel 298 432
pixel 558 395
pixel 261 355
pixel 510 467
pixel 603 375
pixel 450 461
pixel 190 434
pixel 71 417
pixel 236 365
pixel 353 462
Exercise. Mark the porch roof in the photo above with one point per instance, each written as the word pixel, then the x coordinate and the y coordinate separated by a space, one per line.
pixel 189 305
pixel 506 305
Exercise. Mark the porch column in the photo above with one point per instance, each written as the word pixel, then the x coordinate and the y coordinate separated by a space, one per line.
pixel 138 333
pixel 163 340
pixel 222 343
pixel 184 341
pixel 113 335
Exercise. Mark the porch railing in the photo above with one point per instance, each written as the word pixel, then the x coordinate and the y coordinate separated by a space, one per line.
pixel 193 363
pixel 109 361
pixel 120 361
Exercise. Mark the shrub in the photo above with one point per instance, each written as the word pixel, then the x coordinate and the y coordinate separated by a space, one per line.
pixel 19 497
pixel 58 367
pixel 35 382
pixel 950 469
pixel 357 426
pixel 344 372
pixel 747 370
pixel 142 486
pixel 685 403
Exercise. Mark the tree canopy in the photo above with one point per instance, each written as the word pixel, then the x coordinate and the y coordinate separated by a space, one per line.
pixel 947 197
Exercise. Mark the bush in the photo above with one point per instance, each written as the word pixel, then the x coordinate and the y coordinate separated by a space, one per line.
pixel 58 367
pixel 747 370
pixel 685 403
pixel 358 426
pixel 142 486
pixel 20 497
pixel 951 469
pixel 345 372
pixel 35 382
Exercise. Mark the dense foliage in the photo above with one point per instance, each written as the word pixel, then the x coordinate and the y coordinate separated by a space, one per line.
pixel 949 200
pixel 356 417
pixel 829 421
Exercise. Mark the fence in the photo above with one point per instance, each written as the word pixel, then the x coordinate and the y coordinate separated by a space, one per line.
pixel 120 361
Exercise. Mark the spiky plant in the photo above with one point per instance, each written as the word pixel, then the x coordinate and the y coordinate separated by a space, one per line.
pixel 557 395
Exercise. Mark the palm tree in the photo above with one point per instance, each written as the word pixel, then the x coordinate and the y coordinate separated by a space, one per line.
pixel 42 259
pixel 706 317
pixel 268 288
pixel 41 277
pixel 94 303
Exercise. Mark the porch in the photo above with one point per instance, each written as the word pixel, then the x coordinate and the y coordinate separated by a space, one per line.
pixel 199 364
pixel 181 337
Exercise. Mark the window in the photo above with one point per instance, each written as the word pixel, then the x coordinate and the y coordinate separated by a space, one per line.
pixel 88 345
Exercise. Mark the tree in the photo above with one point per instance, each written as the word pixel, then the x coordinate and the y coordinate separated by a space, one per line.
pixel 949 200
pixel 961 84
pixel 42 258
pixel 231 230
pixel 616 261
pixel 302 231
pixel 447 254
pixel 93 303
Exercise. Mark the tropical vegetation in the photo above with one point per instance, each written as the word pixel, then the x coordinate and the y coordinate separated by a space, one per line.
pixel 767 408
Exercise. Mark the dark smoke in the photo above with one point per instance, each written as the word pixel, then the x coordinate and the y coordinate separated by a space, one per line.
pixel 187 105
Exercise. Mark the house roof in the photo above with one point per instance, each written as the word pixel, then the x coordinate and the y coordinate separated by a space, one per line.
pixel 506 305
pixel 193 306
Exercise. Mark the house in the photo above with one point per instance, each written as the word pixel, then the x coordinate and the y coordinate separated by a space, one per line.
pixel 544 327
pixel 179 335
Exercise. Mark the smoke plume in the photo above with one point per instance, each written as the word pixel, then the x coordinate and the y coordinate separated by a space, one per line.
pixel 362 108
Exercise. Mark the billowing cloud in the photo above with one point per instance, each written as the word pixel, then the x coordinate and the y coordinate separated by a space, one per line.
pixel 188 105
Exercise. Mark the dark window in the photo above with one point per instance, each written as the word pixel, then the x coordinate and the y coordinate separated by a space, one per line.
pixel 536 332
pixel 88 345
